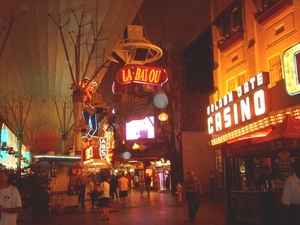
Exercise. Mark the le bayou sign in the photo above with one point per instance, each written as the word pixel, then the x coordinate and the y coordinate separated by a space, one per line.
pixel 142 75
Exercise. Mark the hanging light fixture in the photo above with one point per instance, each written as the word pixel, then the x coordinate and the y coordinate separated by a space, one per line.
pixel 135 146
pixel 134 49
pixel 163 117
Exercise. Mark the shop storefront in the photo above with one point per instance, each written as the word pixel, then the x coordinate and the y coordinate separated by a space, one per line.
pixel 64 173
pixel 251 128
pixel 9 150
pixel 244 164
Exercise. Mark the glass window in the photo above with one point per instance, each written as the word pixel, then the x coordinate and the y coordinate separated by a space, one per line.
pixel 232 23
pixel 241 79
pixel 231 84
pixel 275 70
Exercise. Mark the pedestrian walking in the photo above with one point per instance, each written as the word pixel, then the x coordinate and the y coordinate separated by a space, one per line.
pixel 81 191
pixel 148 184
pixel 142 185
pixel 92 192
pixel 128 176
pixel 113 187
pixel 179 193
pixel 136 181
pixel 192 189
pixel 123 188
pixel 104 197
pixel 168 182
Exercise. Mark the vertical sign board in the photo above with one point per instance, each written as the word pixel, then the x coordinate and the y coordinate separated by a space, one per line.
pixel 89 153
pixel 103 147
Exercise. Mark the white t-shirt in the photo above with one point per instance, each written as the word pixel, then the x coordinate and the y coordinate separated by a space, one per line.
pixel 291 191
pixel 105 187
pixel 9 198
pixel 136 179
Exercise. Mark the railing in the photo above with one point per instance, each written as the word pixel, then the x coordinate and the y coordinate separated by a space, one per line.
pixel 228 40
pixel 270 10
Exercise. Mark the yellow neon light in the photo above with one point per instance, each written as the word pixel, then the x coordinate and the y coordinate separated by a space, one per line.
pixel 256 126
pixel 290 71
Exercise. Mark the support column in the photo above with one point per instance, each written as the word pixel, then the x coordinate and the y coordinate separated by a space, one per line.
pixel 64 138
pixel 19 146
pixel 77 109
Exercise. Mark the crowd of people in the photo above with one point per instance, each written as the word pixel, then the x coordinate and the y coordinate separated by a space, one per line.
pixel 110 187
pixel 118 186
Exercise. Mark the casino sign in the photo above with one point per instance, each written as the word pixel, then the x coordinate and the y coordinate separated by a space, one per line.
pixel 250 101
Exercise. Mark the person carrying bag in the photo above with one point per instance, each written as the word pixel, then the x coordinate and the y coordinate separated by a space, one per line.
pixel 103 192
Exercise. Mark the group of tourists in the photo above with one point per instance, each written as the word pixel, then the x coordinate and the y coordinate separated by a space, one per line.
pixel 100 193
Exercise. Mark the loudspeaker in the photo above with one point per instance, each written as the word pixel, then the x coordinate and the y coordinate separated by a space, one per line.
pixel 99 110
pixel 141 54
pixel 118 58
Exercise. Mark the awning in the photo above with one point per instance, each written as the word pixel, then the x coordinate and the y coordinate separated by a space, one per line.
pixel 57 158
pixel 69 161
pixel 248 150
pixel 286 136
pixel 46 163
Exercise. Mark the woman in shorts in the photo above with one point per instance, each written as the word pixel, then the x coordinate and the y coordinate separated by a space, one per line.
pixel 104 198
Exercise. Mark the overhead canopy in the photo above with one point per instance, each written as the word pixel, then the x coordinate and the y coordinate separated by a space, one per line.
pixel 45 161
pixel 59 158
pixel 285 136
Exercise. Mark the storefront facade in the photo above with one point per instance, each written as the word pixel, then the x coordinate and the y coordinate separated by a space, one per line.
pixel 257 80
pixel 9 150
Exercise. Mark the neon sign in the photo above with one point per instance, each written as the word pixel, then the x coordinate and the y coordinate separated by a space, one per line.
pixel 89 153
pixel 142 75
pixel 250 100
pixel 103 147
pixel 290 70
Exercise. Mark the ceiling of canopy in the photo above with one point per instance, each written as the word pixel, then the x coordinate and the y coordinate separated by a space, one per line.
pixel 39 67
pixel 38 64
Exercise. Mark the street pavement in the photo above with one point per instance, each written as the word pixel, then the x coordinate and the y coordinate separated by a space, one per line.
pixel 160 208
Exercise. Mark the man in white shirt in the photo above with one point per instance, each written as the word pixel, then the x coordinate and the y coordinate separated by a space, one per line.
pixel 10 201
pixel 291 196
